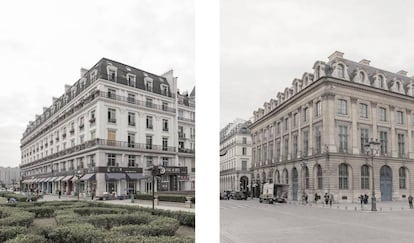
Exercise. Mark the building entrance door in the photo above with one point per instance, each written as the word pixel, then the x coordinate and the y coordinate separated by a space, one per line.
pixel 386 183
pixel 294 184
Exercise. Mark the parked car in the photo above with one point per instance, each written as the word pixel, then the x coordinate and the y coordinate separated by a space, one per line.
pixel 238 196
pixel 224 196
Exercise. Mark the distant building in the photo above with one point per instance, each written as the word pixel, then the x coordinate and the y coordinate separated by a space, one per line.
pixel 107 131
pixel 312 135
pixel 235 156
pixel 9 175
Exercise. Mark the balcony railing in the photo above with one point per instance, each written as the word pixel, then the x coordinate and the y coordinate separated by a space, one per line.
pixel 184 150
pixel 186 119
pixel 135 101
pixel 181 135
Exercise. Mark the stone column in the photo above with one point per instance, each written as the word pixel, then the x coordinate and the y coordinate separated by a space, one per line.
pixel 328 128
pixel 299 124
pixel 409 127
pixel 374 118
pixel 290 142
pixel 394 149
pixel 354 129
pixel 310 132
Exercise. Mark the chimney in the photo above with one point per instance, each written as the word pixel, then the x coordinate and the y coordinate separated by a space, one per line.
pixel 83 71
pixel 54 99
pixel 67 88
pixel 364 62
pixel 402 72
pixel 335 55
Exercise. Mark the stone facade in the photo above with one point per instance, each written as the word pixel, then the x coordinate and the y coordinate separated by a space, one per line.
pixel 312 136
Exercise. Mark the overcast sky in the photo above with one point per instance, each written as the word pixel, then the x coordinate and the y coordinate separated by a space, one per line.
pixel 43 45
pixel 265 44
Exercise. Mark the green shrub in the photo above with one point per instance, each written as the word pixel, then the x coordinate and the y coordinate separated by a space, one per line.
pixel 144 239
pixel 11 232
pixel 17 218
pixel 43 211
pixel 18 197
pixel 28 238
pixel 166 198
pixel 64 217
pixel 160 226
pixel 107 221
pixel 99 210
pixel 185 218
pixel 143 196
pixel 42 230
pixel 78 233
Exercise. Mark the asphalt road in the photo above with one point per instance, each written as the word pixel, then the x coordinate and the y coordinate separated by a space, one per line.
pixel 252 222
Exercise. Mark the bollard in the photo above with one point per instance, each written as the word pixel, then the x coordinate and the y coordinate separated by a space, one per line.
pixel 188 202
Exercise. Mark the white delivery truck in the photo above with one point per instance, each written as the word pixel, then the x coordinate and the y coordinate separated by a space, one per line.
pixel 274 193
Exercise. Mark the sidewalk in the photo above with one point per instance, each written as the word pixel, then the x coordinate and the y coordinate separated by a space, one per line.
pixel 173 206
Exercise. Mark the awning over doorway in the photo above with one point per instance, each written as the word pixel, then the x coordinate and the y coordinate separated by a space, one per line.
pixel 47 179
pixel 115 176
pixel 60 178
pixel 38 180
pixel 75 178
pixel 87 177
pixel 52 179
pixel 67 178
pixel 135 176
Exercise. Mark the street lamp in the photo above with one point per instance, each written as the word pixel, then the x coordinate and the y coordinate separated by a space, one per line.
pixel 372 149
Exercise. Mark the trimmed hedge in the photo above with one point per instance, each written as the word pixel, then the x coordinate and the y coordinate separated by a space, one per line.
pixel 143 239
pixel 18 197
pixel 158 227
pixel 99 210
pixel 17 218
pixel 11 232
pixel 41 212
pixel 29 238
pixel 107 221
pixel 166 198
pixel 80 233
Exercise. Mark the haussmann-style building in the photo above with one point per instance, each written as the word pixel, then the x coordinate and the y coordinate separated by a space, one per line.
pixel 235 156
pixel 312 136
pixel 106 132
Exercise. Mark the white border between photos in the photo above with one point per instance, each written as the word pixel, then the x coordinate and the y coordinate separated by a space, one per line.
pixel 207 120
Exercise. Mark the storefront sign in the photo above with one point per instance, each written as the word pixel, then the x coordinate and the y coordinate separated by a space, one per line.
pixel 176 170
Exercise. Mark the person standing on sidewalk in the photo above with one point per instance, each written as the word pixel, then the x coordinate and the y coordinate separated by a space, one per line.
pixel 60 193
pixel 410 201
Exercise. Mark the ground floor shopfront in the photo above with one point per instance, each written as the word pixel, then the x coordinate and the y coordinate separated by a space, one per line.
pixel 236 181
pixel 346 177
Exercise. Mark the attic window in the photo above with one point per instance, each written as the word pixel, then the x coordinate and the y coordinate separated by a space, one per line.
pixel 340 71
pixel 148 85
pixel 93 75
pixel 398 86
pixel 111 75
pixel 131 79
pixel 381 81
pixel 164 89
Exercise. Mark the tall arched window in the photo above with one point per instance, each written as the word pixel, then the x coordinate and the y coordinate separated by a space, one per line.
pixel 364 177
pixel 340 72
pixel 277 176
pixel 285 176
pixel 319 176
pixel 403 175
pixel 306 170
pixel 380 81
pixel 343 176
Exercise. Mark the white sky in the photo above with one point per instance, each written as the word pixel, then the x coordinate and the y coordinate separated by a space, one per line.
pixel 265 44
pixel 43 45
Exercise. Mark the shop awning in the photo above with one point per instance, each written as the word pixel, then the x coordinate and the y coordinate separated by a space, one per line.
pixel 52 179
pixel 26 181
pixel 60 178
pixel 115 176
pixel 88 177
pixel 47 179
pixel 37 180
pixel 67 178
pixel 75 178
pixel 135 176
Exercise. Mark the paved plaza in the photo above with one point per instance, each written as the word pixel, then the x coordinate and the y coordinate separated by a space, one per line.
pixel 252 222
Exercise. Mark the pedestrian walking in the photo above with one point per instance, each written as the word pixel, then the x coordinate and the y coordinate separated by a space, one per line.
pixel 410 201
pixel 330 199
pixel 93 194
pixel 361 198
pixel 306 198
pixel 60 193
pixel 366 199
pixel 326 196
pixel 316 198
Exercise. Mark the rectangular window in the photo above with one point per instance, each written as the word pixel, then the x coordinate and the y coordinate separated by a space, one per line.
pixel 131 160
pixel 149 122
pixel 164 106
pixel 111 93
pixel 382 114
pixel 131 80
pixel 295 119
pixel 277 151
pixel 384 142
pixel 244 165
pixel 318 109
pixel 243 150
pixel 165 144
pixel 131 119
pixel 278 128
pixel 286 124
pixel 271 150
pixel 342 107
pixel 111 115
pixel 148 102
pixel 111 137
pixel 131 98
pixel 149 161
pixel 264 152
pixel 111 75
pixel 111 158
pixel 363 111
pixel 286 149
pixel 164 89
pixel 343 139
pixel 148 142
pixel 131 140
pixel 401 146
pixel 400 117
pixel 305 114
pixel 244 140
pixel 295 146
pixel 318 140
pixel 148 85
pixel 305 143
pixel 364 139
pixel 165 125
pixel 93 134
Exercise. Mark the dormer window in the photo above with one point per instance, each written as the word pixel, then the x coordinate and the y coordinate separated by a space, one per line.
pixel 131 79
pixel 398 86
pixel 148 85
pixel 93 75
pixel 111 70
pixel 361 76
pixel 380 81
pixel 164 89
pixel 340 71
